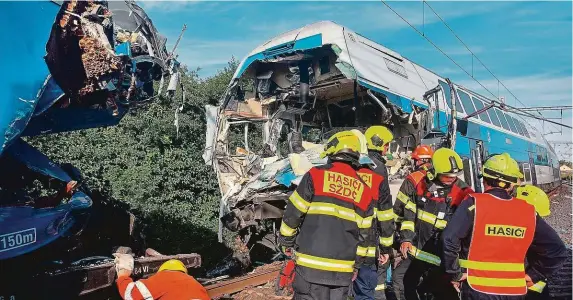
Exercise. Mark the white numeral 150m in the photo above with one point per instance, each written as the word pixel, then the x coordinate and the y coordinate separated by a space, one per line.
pixel 17 239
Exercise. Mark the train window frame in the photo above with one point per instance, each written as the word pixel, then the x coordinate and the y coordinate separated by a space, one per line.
pixel 501 117
pixel 526 170
pixel 517 126
pixel 460 93
pixel 511 125
pixel 524 129
pixel 448 96
pixel 494 118
pixel 483 115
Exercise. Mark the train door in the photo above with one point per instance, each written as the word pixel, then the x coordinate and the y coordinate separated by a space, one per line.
pixel 532 168
pixel 473 165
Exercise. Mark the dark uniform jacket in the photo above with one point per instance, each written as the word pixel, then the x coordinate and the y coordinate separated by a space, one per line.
pixel 425 207
pixel 545 256
pixel 329 221
pixel 384 210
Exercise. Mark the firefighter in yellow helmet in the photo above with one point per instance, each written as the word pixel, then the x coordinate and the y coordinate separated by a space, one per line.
pixel 486 242
pixel 327 224
pixel 171 281
pixel 371 279
pixel 539 199
pixel 425 204
pixel 536 197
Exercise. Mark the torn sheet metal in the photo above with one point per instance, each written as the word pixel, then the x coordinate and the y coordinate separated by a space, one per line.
pixel 36 160
pixel 210 135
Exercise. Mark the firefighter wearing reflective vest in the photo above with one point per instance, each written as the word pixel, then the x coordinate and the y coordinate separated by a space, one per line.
pixel 486 242
pixel 171 282
pixel 425 203
pixel 539 199
pixel 422 161
pixel 328 222
pixel 371 280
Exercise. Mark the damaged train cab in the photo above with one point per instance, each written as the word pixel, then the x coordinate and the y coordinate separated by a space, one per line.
pixel 289 95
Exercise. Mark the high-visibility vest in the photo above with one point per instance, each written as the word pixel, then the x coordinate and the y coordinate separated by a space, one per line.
pixel 502 233
pixel 416 177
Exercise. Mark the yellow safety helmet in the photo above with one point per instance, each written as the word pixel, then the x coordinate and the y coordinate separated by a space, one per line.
pixel 503 168
pixel 447 162
pixel 536 197
pixel 343 142
pixel 377 137
pixel 173 265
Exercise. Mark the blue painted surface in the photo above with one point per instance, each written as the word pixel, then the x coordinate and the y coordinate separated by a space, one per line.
pixel 494 140
pixel 27 28
pixel 313 41
pixel 48 224
pixel 36 161
pixel 123 49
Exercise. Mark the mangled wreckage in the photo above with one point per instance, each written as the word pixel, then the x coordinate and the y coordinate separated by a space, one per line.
pixel 101 58
pixel 289 96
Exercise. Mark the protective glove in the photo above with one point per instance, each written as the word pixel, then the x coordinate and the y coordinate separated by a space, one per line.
pixel 404 248
pixel 287 251
pixel 123 264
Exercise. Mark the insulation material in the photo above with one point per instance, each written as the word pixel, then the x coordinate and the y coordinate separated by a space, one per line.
pixel 299 163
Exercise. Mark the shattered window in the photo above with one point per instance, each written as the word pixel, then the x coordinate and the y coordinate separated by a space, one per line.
pixel 236 138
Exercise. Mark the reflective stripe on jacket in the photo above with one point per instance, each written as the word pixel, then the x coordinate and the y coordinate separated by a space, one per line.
pixel 378 183
pixel 499 244
pixel 425 207
pixel 164 285
pixel 329 222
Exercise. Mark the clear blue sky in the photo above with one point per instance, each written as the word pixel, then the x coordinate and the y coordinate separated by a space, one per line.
pixel 528 45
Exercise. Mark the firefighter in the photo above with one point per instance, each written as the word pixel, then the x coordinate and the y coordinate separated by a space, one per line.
pixel 539 199
pixel 425 203
pixel 371 280
pixel 170 282
pixel 486 242
pixel 422 157
pixel 327 223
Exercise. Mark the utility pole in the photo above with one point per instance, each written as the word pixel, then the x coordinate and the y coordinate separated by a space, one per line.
pixel 178 39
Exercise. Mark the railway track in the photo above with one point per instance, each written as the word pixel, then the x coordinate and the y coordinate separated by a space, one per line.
pixel 259 277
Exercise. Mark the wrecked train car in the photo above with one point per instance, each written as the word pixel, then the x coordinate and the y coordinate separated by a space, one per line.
pixel 294 91
pixel 71 65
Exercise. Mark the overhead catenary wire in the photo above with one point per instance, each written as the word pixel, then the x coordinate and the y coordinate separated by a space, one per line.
pixel 467 73
pixel 473 54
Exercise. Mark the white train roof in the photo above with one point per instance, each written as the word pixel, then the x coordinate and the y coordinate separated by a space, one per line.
pixel 375 65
